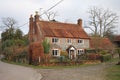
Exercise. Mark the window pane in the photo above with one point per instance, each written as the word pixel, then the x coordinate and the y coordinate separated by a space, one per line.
pixel 80 41
pixel 69 40
pixel 81 51
pixel 55 52
pixel 54 40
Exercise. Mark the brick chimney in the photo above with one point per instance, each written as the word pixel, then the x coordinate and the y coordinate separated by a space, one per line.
pixel 36 16
pixel 31 28
pixel 80 22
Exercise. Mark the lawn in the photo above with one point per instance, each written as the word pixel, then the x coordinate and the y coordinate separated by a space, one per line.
pixel 113 72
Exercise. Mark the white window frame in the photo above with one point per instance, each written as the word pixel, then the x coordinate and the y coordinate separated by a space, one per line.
pixel 80 51
pixel 80 41
pixel 55 40
pixel 56 54
pixel 69 41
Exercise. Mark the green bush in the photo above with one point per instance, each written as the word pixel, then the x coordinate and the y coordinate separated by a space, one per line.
pixel 103 52
pixel 46 46
pixel 82 57
pixel 117 50
pixel 90 51
pixel 59 59
pixel 106 57
pixel 62 58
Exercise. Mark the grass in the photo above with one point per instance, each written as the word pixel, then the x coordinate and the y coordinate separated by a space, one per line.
pixel 113 72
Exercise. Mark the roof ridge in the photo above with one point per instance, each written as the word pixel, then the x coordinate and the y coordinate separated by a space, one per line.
pixel 59 22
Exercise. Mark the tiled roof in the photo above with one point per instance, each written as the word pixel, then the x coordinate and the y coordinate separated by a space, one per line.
pixel 101 43
pixel 62 30
pixel 117 38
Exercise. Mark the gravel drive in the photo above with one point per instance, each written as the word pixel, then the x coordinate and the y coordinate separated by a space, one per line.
pixel 82 73
pixel 15 72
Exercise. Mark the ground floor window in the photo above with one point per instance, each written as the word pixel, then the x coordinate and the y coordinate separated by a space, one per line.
pixel 55 52
pixel 80 51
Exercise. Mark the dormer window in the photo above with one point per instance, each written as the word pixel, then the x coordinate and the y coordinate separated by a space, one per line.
pixel 55 40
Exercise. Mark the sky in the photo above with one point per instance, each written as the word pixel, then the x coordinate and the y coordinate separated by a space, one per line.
pixel 67 11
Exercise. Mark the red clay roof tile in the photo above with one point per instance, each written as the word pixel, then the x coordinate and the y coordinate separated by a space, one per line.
pixel 63 30
pixel 117 38
pixel 101 43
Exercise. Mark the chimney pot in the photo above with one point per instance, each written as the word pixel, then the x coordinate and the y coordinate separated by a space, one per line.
pixel 36 12
pixel 80 22
pixel 36 16
pixel 31 18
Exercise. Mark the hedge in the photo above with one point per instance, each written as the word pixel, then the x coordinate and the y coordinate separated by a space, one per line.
pixel 106 57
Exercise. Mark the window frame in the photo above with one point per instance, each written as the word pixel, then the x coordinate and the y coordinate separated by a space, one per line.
pixel 69 41
pixel 55 40
pixel 80 41
pixel 80 51
pixel 56 52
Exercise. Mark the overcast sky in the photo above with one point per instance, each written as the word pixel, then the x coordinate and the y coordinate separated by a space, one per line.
pixel 67 11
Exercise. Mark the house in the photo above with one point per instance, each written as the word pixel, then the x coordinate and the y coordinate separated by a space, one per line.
pixel 62 36
pixel 117 40
pixel 101 43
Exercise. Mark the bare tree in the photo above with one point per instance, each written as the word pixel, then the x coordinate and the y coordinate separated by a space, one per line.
pixel 8 23
pixel 51 15
pixel 101 21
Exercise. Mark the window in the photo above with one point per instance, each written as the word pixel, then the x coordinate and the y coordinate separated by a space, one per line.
pixel 55 52
pixel 68 40
pixel 80 41
pixel 54 40
pixel 80 51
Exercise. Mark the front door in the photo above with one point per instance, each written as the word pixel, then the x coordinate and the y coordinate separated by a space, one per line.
pixel 72 53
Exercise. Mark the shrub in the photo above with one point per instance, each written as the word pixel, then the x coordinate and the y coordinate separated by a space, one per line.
pixel 90 51
pixel 62 59
pixel 82 57
pixel 103 52
pixel 92 56
pixel 118 51
pixel 98 56
pixel 64 53
pixel 46 46
pixel 106 57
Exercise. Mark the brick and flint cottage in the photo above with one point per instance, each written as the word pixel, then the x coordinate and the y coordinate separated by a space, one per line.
pixel 67 37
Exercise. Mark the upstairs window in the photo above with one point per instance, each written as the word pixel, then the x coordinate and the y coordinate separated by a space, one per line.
pixel 80 51
pixel 80 41
pixel 69 41
pixel 54 40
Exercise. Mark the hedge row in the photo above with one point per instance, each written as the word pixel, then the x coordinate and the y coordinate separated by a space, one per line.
pixel 102 58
